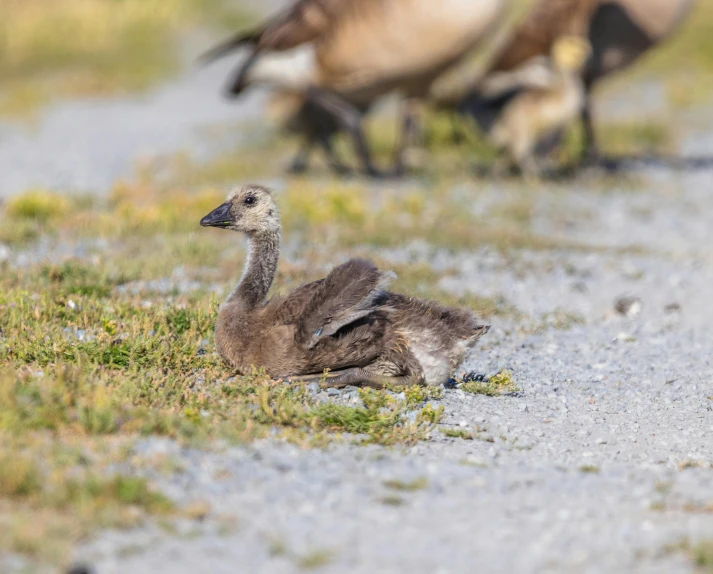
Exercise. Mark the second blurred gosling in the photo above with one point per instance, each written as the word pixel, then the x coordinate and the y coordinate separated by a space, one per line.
pixel 524 108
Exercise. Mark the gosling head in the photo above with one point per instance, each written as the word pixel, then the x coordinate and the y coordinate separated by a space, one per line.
pixel 571 53
pixel 249 209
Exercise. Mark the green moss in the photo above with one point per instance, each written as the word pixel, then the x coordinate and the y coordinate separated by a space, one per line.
pixel 457 433
pixel 38 205
pixel 392 500
pixel 19 476
pixel 315 559
pixel 407 486
pixel 703 556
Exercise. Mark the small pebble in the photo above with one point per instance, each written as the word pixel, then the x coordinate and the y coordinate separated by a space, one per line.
pixel 624 338
pixel 672 308
pixel 628 305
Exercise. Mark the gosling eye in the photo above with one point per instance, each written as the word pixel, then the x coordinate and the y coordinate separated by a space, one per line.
pixel 318 332
pixel 249 200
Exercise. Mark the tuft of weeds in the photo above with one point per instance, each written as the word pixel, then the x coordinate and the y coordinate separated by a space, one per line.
pixel 418 394
pixel 589 469
pixel 315 559
pixel 560 320
pixel 19 476
pixel 457 433
pixel 703 555
pixel 407 486
pixel 37 205
pixel 54 500
pixel 392 500
pixel 494 386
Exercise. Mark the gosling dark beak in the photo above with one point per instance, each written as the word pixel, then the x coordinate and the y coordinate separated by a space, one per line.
pixel 219 217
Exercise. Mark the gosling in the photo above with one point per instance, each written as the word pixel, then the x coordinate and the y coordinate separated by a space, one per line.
pixel 523 109
pixel 345 329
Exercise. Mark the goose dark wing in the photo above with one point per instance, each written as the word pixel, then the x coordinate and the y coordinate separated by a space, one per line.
pixel 350 292
pixel 304 22
pixel 543 24
pixel 288 309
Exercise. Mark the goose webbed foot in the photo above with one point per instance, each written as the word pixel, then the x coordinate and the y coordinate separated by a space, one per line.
pixel 349 118
pixel 470 377
pixel 591 157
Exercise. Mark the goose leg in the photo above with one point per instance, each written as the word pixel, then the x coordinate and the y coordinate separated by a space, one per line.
pixel 334 161
pixel 301 160
pixel 357 377
pixel 350 119
pixel 457 133
pixel 240 80
pixel 409 134
pixel 591 149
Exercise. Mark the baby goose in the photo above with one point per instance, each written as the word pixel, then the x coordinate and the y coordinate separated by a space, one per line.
pixel 346 323
pixel 521 109
pixel 620 31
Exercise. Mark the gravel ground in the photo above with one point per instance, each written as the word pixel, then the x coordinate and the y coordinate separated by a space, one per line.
pixel 87 145
pixel 602 462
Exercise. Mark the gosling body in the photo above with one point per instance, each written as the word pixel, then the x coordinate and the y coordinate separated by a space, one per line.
pixel 524 108
pixel 619 32
pixel 347 323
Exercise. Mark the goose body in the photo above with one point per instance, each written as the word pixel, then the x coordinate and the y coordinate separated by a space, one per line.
pixel 344 54
pixel 399 44
pixel 623 30
pixel 347 323
pixel 618 30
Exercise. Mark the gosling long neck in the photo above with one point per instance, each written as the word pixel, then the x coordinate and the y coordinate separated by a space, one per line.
pixel 260 269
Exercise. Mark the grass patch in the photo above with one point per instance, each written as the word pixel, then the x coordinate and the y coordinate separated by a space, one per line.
pixel 37 205
pixel 643 137
pixel 494 386
pixel 61 48
pixel 457 433
pixel 703 555
pixel 86 364
pixel 589 469
pixel 392 500
pixel 315 559
pixel 407 486
pixel 51 497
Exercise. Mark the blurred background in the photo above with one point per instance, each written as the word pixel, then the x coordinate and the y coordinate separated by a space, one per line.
pixel 91 89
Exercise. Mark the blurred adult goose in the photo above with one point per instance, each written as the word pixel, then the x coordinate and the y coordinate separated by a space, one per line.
pixel 522 108
pixel 347 322
pixel 619 31
pixel 344 54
